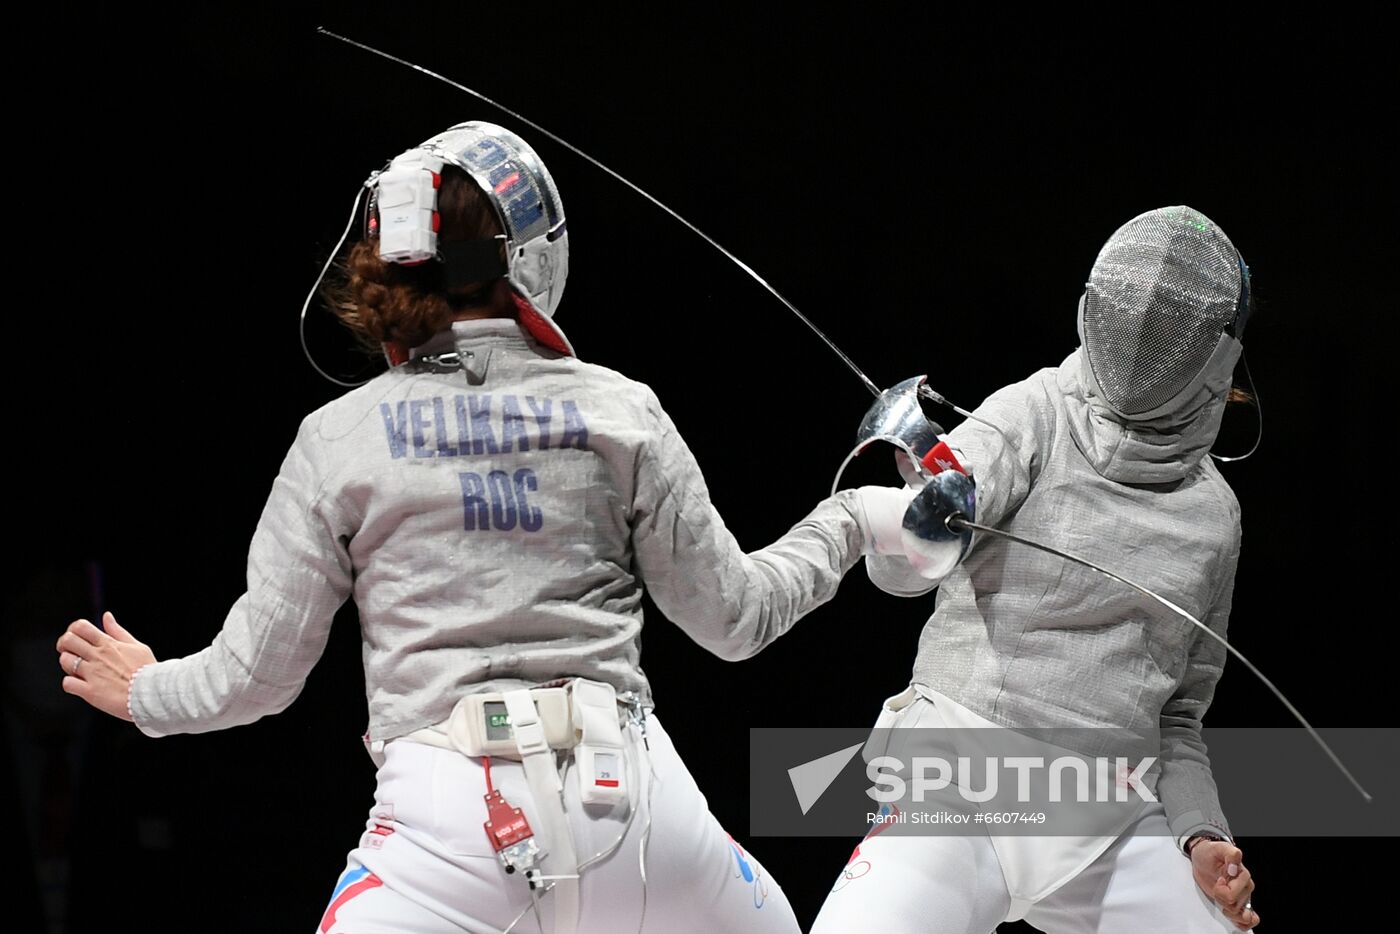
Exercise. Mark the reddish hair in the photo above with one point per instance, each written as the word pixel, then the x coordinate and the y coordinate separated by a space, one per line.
pixel 389 302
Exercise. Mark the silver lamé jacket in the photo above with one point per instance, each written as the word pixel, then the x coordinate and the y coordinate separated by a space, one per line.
pixel 1027 639
pixel 495 524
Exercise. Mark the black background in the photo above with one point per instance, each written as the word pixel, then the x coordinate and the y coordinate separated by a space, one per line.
pixel 931 192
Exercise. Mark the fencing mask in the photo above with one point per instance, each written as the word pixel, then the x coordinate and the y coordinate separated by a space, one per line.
pixel 1163 312
pixel 533 255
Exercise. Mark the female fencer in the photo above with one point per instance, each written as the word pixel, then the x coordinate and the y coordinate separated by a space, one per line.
pixel 495 506
pixel 1105 456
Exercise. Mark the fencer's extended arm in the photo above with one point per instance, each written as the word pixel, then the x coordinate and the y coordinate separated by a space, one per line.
pixel 730 602
pixel 299 574
pixel 1005 460
pixel 1186 787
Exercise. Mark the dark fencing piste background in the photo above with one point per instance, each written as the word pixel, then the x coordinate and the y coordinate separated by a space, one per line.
pixel 932 192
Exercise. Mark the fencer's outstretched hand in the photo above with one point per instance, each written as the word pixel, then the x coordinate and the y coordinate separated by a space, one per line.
pixel 880 513
pixel 97 666
pixel 1219 870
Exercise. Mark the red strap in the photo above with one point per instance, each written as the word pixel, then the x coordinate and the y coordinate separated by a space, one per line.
pixel 539 328
pixel 942 458
pixel 395 352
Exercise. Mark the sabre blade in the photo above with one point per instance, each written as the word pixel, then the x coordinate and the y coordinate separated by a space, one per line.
pixel 958 522
pixel 874 390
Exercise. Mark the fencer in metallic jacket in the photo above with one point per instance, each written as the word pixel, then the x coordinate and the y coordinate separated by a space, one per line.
pixel 495 523
pixel 1024 638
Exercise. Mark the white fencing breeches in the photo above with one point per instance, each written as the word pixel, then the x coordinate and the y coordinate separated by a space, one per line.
pixel 424 863
pixel 954 885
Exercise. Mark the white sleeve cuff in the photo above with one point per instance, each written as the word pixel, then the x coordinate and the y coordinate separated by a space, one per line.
pixel 136 711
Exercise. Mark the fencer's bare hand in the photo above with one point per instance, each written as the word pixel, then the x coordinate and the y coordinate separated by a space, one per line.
pixel 1220 872
pixel 97 666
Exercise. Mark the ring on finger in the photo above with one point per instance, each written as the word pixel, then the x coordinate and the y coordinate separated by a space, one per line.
pixel 76 662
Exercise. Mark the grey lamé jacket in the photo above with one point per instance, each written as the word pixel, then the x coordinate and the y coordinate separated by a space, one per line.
pixel 1025 638
pixel 495 525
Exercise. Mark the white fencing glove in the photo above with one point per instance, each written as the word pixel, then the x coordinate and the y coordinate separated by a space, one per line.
pixel 880 513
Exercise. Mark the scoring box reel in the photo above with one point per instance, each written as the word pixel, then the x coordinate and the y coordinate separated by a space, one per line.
pixel 583 717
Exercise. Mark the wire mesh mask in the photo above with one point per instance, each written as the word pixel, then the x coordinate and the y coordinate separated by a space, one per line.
pixel 1164 291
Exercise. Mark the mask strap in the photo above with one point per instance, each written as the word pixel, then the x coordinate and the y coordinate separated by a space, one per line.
pixel 1242 309
pixel 1258 407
